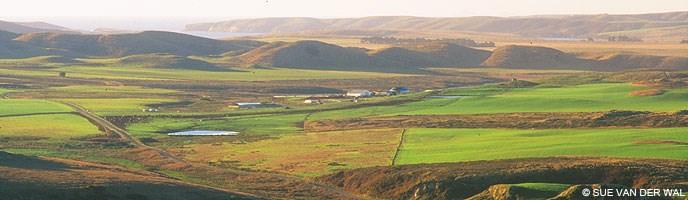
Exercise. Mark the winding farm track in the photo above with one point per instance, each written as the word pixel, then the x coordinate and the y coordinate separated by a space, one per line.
pixel 106 125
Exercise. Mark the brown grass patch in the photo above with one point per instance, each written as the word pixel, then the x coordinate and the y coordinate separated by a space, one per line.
pixel 647 93
pixel 668 142
pixel 303 154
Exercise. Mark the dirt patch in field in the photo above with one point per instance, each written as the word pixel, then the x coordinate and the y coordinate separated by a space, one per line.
pixel 465 179
pixel 508 120
pixel 667 142
pixel 646 93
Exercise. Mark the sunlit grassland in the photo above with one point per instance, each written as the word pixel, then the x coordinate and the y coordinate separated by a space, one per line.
pixel 307 154
pixel 111 89
pixel 672 48
pixel 455 145
pixel 28 106
pixel 286 148
pixel 582 98
pixel 612 33
pixel 235 74
pixel 53 126
pixel 117 105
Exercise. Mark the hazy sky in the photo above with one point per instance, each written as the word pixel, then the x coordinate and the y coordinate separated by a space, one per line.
pixel 328 8
pixel 174 14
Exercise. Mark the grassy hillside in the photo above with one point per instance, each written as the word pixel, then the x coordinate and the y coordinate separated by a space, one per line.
pixel 318 55
pixel 530 57
pixel 532 26
pixel 433 55
pixel 167 61
pixel 533 57
pixel 119 45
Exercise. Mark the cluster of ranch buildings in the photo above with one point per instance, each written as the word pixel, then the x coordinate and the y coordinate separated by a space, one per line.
pixel 351 95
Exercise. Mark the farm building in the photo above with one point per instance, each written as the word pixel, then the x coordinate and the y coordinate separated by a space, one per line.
pixel 251 105
pixel 359 93
pixel 312 101
pixel 398 91
pixel 203 133
pixel 151 110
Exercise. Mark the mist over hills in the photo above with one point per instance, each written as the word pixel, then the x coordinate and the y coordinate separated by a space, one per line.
pixel 32 27
pixel 530 26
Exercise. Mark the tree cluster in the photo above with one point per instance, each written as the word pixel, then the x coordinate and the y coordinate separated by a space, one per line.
pixel 623 38
pixel 393 40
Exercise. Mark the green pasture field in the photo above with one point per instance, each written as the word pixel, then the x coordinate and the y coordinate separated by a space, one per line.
pixel 456 145
pixel 541 190
pixel 111 89
pixel 117 105
pixel 581 98
pixel 51 126
pixel 29 106
pixel 239 74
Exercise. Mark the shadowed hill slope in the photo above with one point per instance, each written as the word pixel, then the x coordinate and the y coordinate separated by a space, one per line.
pixel 323 56
pixel 130 44
pixel 317 55
pixel 167 61
pixel 21 176
pixel 439 54
pixel 15 49
pixel 465 179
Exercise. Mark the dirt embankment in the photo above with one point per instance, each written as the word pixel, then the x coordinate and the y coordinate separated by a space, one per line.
pixel 465 179
pixel 509 120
